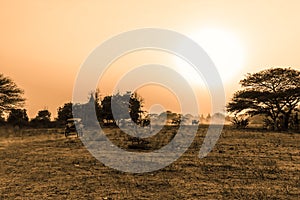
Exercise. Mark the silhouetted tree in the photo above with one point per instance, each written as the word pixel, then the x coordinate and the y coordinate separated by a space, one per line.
pixel 135 107
pixel 18 117
pixel 121 106
pixel 171 117
pixel 42 119
pixel 273 92
pixel 64 113
pixel 296 119
pixel 125 105
pixel 240 121
pixel 44 115
pixel 98 104
pixel 10 95
pixel 105 111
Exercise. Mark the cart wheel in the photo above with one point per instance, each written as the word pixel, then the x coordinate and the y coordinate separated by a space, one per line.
pixel 66 133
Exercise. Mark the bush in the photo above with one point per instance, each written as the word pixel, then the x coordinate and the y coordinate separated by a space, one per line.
pixel 240 122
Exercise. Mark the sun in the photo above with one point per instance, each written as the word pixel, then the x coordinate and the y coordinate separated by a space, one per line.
pixel 224 48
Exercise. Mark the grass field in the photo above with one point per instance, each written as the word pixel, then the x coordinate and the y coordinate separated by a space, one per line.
pixel 43 164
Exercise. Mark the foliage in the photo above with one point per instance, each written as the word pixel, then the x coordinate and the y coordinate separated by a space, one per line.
pixel 64 113
pixel 17 117
pixel 135 109
pixel 125 106
pixel 42 119
pixel 105 110
pixel 120 104
pixel 273 92
pixel 268 123
pixel 295 122
pixel 43 115
pixel 170 117
pixel 218 118
pixel 10 95
pixel 240 122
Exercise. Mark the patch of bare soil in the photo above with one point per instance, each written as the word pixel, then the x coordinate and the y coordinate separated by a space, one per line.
pixel 41 164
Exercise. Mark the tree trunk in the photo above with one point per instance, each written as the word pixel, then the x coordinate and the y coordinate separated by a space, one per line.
pixel 286 121
pixel 275 124
pixel 296 121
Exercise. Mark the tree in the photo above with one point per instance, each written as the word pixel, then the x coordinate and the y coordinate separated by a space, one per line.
pixel 10 95
pixel 217 118
pixel 44 115
pixel 17 117
pixel 170 117
pixel 105 110
pixel 64 113
pixel 273 92
pixel 98 104
pixel 296 121
pixel 42 118
pixel 121 106
pixel 135 107
pixel 130 103
pixel 240 121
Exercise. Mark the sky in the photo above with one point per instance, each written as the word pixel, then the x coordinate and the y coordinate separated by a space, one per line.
pixel 45 43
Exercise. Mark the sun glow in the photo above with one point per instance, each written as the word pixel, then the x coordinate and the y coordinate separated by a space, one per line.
pixel 224 48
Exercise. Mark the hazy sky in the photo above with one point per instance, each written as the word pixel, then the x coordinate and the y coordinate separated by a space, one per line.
pixel 44 43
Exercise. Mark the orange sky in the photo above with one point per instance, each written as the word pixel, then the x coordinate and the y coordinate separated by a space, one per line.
pixel 44 43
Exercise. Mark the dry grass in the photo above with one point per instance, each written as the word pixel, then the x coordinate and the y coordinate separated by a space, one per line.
pixel 42 164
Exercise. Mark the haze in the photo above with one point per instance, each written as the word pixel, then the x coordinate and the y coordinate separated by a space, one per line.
pixel 44 43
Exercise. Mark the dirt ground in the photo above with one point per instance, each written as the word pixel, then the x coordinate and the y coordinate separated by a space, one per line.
pixel 43 164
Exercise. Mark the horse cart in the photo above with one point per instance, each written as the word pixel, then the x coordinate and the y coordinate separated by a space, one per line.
pixel 74 126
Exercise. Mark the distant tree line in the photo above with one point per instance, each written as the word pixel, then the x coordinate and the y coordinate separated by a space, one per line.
pixel 273 94
pixel 130 102
pixel 18 117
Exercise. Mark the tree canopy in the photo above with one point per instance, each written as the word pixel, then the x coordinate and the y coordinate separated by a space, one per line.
pixel 43 116
pixel 10 95
pixel 64 113
pixel 274 92
pixel 129 102
pixel 18 117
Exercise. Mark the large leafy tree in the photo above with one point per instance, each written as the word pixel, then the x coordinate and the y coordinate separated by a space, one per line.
pixel 273 92
pixel 10 95
pixel 125 105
